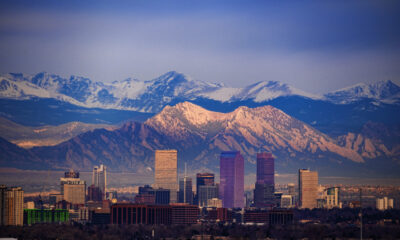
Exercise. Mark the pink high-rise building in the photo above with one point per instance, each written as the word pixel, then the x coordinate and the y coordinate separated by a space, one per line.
pixel 265 185
pixel 231 189
pixel 265 168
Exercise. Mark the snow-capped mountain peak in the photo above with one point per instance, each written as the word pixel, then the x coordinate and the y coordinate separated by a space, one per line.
pixel 267 90
pixel 146 96
pixel 173 75
pixel 171 87
pixel 381 91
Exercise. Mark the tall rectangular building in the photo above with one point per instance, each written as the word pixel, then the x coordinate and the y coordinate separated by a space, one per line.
pixel 166 172
pixel 94 194
pixel 231 189
pixel 206 193
pixel 265 168
pixel 203 179
pixel 73 190
pixel 308 188
pixel 265 184
pixel 99 179
pixel 12 206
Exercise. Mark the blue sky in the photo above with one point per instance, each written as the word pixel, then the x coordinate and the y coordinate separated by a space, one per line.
pixel 316 46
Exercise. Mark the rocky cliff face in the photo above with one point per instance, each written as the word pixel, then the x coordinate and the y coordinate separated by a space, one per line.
pixel 248 130
pixel 199 136
pixel 375 140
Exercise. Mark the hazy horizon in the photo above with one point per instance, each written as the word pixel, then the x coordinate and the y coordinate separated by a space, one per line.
pixel 48 181
pixel 314 46
pixel 243 84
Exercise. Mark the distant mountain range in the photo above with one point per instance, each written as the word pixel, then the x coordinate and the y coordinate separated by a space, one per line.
pixel 135 95
pixel 153 95
pixel 381 91
pixel 48 99
pixel 355 130
pixel 200 135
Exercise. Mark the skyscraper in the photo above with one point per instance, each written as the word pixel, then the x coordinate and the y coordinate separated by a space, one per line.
pixel 203 179
pixel 206 179
pixel 73 189
pixel 265 185
pixel 99 179
pixel 231 189
pixel 166 174
pixel 308 188
pixel 12 206
pixel 94 194
pixel 206 193
pixel 265 168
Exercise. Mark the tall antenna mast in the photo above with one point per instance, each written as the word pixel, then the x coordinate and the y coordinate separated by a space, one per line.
pixel 185 169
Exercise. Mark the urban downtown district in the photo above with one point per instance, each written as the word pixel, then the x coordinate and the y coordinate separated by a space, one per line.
pixel 171 209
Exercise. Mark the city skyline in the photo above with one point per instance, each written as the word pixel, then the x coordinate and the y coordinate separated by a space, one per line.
pixel 207 62
pixel 153 207
pixel 174 119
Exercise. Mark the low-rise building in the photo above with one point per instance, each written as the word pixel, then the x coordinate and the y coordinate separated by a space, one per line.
pixel 286 201
pixel 33 216
pixel 127 213
pixel 214 203
pixel 184 213
pixel 384 203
